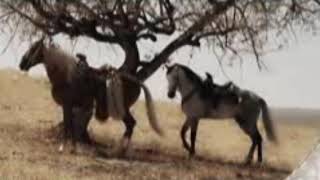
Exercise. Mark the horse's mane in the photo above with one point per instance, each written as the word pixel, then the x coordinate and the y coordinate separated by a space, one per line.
pixel 63 62
pixel 191 75
pixel 56 50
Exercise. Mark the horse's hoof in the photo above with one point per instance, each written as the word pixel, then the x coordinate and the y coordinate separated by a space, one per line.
pixel 74 150
pixel 191 155
pixel 247 162
pixel 125 143
pixel 123 148
pixel 121 153
pixel 259 163
pixel 61 147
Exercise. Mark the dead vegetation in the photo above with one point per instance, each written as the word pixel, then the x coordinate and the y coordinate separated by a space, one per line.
pixel 29 151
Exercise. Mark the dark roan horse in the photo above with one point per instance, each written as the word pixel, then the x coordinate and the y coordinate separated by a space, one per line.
pixel 196 105
pixel 79 88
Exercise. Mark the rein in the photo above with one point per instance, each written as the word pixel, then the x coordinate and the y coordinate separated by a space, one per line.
pixel 188 96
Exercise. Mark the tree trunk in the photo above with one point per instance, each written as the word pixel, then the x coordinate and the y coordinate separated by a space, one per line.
pixel 132 56
pixel 130 65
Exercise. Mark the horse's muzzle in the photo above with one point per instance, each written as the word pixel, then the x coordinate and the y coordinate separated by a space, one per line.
pixel 24 64
pixel 171 94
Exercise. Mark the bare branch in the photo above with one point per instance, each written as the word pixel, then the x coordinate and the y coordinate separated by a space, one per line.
pixel 317 1
pixel 183 39
pixel 229 26
pixel 33 21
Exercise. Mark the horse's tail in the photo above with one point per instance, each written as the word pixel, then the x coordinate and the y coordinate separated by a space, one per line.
pixel 267 122
pixel 153 120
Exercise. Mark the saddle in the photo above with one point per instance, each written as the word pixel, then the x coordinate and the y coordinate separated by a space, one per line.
pixel 114 93
pixel 82 66
pixel 82 81
pixel 216 93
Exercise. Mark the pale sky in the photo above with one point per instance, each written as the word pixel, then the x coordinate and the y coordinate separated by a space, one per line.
pixel 290 81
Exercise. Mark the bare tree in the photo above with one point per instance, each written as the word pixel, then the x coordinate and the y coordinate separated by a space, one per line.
pixel 231 27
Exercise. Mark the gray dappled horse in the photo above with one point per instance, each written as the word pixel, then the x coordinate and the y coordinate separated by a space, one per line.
pixel 196 105
pixel 79 88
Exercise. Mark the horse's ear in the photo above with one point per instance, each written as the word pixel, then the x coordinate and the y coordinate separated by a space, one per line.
pixel 168 64
pixel 167 67
pixel 41 41
pixel 209 76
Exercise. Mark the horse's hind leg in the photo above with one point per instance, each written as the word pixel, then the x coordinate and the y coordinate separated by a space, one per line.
pixel 193 134
pixel 259 142
pixel 256 141
pixel 130 123
pixel 250 128
pixel 252 148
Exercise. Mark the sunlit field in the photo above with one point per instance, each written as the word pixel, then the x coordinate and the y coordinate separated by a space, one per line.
pixel 28 150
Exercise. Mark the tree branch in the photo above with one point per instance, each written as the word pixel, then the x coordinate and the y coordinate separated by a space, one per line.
pixel 65 23
pixel 251 37
pixel 42 26
pixel 184 39
pixel 317 1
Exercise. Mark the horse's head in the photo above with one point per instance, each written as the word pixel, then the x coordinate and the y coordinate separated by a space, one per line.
pixel 33 56
pixel 173 80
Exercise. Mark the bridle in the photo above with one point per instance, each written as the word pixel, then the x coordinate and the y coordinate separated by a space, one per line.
pixel 36 51
pixel 189 95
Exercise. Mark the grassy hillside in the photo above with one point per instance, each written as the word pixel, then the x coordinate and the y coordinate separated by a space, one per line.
pixel 29 151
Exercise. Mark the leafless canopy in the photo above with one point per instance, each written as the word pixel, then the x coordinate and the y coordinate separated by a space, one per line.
pixel 229 26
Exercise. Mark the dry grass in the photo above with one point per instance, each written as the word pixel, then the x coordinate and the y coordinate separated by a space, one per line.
pixel 27 151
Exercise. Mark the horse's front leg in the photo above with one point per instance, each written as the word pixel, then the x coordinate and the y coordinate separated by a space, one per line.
pixel 183 132
pixel 67 126
pixel 194 127
pixel 81 117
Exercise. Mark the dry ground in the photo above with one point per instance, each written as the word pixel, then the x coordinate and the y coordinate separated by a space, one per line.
pixel 29 151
